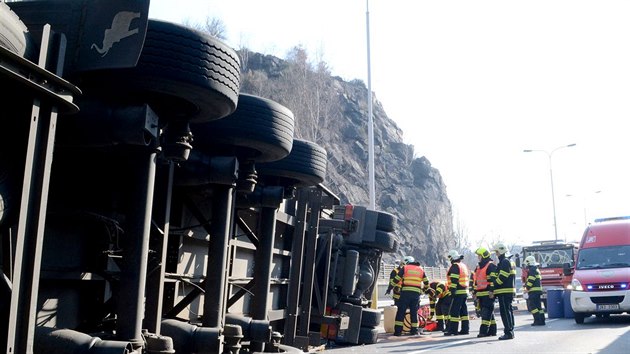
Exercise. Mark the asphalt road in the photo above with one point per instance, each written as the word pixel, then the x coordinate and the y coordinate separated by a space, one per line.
pixel 597 335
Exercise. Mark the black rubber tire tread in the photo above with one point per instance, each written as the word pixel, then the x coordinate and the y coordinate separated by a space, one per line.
pixel 260 130
pixel 181 72
pixel 304 166
pixel 386 221
pixel 14 35
pixel 370 317
pixel 368 335
pixel 384 241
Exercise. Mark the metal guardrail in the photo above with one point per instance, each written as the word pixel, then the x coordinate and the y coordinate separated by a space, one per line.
pixel 433 273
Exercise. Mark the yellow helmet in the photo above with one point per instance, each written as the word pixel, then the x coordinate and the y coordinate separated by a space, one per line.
pixel 501 248
pixel 483 252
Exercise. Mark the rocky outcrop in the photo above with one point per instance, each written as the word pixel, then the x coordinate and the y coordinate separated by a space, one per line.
pixel 333 113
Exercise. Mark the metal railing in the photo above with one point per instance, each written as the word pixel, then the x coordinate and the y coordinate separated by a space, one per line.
pixel 433 273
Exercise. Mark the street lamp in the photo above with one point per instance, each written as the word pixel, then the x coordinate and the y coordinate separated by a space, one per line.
pixel 553 197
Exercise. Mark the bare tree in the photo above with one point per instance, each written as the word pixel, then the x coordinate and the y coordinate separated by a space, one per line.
pixel 211 25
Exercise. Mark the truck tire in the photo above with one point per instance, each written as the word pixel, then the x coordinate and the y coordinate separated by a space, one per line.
pixel 370 318
pixel 259 130
pixel 304 166
pixel 384 241
pixel 386 221
pixel 181 73
pixel 14 35
pixel 368 335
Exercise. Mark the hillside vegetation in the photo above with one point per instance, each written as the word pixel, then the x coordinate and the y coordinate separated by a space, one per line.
pixel 333 113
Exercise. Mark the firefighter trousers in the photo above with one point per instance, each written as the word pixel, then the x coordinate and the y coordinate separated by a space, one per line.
pixel 408 300
pixel 488 323
pixel 507 314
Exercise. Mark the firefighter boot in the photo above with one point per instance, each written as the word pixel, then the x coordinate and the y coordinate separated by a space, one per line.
pixel 492 331
pixel 536 320
pixel 465 327
pixel 542 318
pixel 398 330
pixel 440 326
pixel 451 328
pixel 483 331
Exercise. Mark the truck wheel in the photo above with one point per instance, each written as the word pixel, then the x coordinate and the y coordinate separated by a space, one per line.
pixel 14 35
pixel 181 73
pixel 579 317
pixel 304 166
pixel 386 221
pixel 384 241
pixel 368 335
pixel 370 318
pixel 259 130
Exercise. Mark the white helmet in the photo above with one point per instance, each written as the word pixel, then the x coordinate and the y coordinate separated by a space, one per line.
pixel 501 248
pixel 453 255
pixel 408 259
pixel 530 261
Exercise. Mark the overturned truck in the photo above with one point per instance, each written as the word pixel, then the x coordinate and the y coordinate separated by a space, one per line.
pixel 148 206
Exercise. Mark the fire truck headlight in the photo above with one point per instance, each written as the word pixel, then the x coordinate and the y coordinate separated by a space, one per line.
pixel 576 285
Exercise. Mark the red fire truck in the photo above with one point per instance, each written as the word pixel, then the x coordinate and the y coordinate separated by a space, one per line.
pixel 553 257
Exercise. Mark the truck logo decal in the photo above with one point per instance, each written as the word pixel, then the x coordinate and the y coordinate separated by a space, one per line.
pixel 591 239
pixel 119 30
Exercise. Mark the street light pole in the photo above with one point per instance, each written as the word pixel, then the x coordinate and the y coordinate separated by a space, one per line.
pixel 553 196
pixel 371 183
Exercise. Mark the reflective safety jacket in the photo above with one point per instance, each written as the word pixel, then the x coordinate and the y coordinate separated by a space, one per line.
pixel 505 282
pixel 457 278
pixel 440 291
pixel 534 280
pixel 484 275
pixel 393 285
pixel 411 277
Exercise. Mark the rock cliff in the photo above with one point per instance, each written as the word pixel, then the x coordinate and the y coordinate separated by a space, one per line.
pixel 333 113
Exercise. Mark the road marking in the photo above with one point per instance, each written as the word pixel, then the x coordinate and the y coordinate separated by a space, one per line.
pixel 440 346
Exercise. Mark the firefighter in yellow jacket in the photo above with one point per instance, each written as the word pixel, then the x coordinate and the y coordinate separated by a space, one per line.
pixel 439 301
pixel 483 288
pixel 505 289
pixel 457 281
pixel 411 279
pixel 534 290
pixel 393 285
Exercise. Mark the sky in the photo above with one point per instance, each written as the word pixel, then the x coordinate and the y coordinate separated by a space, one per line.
pixel 472 84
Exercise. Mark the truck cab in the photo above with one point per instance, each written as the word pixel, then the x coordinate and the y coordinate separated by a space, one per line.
pixel 556 263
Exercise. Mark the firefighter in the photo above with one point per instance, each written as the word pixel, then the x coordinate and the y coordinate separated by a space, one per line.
pixel 505 288
pixel 411 279
pixel 483 286
pixel 439 302
pixel 534 291
pixel 393 285
pixel 457 281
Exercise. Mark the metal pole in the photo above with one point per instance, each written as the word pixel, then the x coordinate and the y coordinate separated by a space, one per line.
pixel 553 200
pixel 370 118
